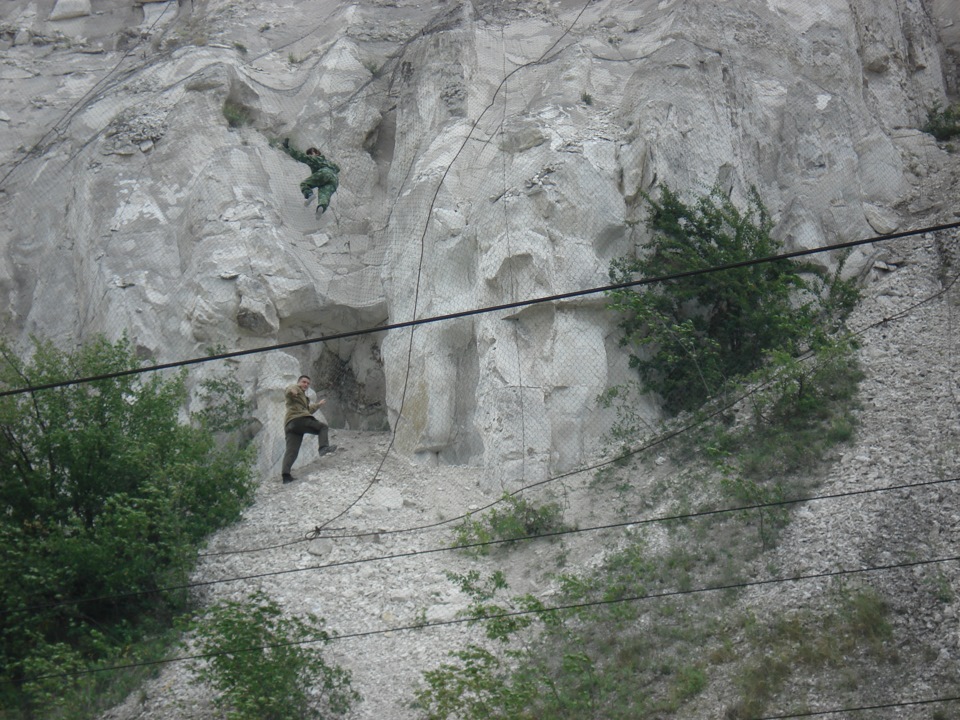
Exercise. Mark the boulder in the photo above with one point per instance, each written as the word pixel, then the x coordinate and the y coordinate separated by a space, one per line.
pixel 70 9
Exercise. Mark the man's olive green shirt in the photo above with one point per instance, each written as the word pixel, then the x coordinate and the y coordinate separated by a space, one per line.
pixel 298 405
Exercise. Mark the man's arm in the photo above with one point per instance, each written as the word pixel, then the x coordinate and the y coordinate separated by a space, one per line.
pixel 296 154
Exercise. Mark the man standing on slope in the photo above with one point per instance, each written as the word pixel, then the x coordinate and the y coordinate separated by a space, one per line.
pixel 299 421
pixel 324 175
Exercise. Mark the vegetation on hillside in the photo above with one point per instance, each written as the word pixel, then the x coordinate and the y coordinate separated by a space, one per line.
pixel 264 665
pixel 691 336
pixel 105 494
pixel 943 123
pixel 514 518
pixel 755 360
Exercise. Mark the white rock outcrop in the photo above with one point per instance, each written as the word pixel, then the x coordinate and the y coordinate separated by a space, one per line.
pixel 69 9
pixel 491 154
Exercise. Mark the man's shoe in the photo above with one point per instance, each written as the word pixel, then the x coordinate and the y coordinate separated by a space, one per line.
pixel 287 478
pixel 327 449
pixel 321 209
pixel 307 199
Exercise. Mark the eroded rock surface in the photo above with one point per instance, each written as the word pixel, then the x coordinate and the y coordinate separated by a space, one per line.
pixel 490 154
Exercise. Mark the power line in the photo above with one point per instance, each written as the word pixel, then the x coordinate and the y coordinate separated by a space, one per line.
pixel 862 708
pixel 655 442
pixel 518 613
pixel 647 446
pixel 485 310
pixel 491 543
pixel 315 533
pixel 348 335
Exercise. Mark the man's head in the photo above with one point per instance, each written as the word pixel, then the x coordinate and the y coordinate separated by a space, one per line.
pixel 304 382
pixel 312 151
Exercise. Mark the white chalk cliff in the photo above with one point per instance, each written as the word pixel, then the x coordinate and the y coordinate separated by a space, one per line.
pixel 491 152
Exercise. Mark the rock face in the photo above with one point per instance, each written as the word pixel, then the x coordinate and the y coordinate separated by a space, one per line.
pixel 491 152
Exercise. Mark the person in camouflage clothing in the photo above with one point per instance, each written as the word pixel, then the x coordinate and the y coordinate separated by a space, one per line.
pixel 324 177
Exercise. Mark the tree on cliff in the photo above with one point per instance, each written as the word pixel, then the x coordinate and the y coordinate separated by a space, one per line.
pixel 692 335
pixel 105 494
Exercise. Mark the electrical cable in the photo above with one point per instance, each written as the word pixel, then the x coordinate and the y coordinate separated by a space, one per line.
pixel 521 613
pixel 482 311
pixel 315 533
pixel 497 542
pixel 647 446
pixel 657 441
pixel 862 708
pixel 492 543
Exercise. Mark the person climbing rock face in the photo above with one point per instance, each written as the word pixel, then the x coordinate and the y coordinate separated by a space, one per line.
pixel 299 421
pixel 324 175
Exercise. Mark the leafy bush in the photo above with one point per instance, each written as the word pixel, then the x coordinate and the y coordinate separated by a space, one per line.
pixel 478 684
pixel 483 683
pixel 694 334
pixel 263 665
pixel 104 496
pixel 852 624
pixel 517 518
pixel 799 410
pixel 236 114
pixel 943 124
pixel 482 594
pixel 592 661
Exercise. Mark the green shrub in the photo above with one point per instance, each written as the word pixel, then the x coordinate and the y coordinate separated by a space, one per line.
pixel 483 607
pixel 796 411
pixel 943 124
pixel 265 666
pixel 105 495
pixel 593 661
pixel 693 335
pixel 478 684
pixel 236 114
pixel 751 492
pixel 485 683
pixel 865 614
pixel 804 642
pixel 516 518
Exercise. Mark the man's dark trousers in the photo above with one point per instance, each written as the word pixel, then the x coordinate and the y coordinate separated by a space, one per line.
pixel 294 432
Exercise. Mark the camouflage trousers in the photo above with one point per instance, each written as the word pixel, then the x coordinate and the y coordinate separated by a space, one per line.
pixel 326 183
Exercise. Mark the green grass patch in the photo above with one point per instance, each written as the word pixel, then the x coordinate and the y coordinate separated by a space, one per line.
pixel 803 643
pixel 515 517
pixel 236 115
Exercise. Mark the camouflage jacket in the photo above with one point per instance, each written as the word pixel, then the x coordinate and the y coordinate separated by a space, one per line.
pixel 316 162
